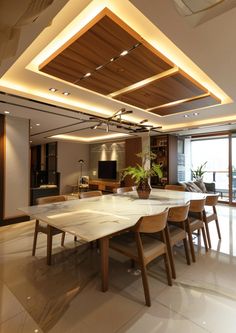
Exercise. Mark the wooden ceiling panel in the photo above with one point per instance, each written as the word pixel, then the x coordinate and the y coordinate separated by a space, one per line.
pixel 165 90
pixel 125 71
pixel 103 41
pixel 197 103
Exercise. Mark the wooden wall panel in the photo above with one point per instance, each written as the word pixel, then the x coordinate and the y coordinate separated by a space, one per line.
pixel 172 159
pixel 132 147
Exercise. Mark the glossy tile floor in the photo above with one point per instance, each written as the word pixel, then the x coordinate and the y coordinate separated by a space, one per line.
pixel 66 297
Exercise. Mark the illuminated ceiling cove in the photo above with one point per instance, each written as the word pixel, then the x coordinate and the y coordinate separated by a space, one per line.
pixel 126 67
pixel 105 56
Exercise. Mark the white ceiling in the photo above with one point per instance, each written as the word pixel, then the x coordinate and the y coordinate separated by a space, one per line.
pixel 210 46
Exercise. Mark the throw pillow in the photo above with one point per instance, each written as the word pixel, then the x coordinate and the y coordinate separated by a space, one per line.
pixel 201 185
pixel 191 187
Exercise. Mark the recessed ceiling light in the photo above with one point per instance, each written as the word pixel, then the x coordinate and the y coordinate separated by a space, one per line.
pixel 195 113
pixel 38 124
pixel 6 112
pixel 123 53
pixel 87 74
pixel 66 93
pixel 31 127
pixel 99 67
pixel 186 116
pixel 53 89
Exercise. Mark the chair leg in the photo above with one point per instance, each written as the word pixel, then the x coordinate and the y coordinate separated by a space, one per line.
pixel 168 270
pixel 218 228
pixel 186 251
pixel 204 238
pixel 191 245
pixel 170 253
pixel 208 234
pixel 145 283
pixel 143 269
pixel 75 238
pixel 63 238
pixel 49 245
pixel 35 237
pixel 132 263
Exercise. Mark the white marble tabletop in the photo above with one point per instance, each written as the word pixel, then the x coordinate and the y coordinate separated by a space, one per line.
pixel 97 217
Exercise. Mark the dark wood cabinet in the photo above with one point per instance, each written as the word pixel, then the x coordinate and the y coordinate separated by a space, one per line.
pixel 165 148
pixel 45 179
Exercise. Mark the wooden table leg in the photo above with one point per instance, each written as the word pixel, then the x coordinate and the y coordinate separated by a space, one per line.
pixel 104 251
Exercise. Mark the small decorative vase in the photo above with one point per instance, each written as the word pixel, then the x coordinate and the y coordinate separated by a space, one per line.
pixel 144 189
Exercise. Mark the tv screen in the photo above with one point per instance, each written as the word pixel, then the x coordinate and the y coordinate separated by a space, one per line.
pixel 107 169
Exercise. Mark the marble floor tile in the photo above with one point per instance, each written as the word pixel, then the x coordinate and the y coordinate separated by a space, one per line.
pixel 66 297
pixel 208 309
pixel 21 323
pixel 160 319
pixel 9 305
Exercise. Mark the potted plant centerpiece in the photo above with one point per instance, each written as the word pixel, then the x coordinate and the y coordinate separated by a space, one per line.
pixel 142 173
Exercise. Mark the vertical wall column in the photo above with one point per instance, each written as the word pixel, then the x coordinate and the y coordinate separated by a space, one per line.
pixel 2 150
pixel 14 168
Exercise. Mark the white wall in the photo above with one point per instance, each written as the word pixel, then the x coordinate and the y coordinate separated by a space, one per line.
pixel 68 155
pixel 17 166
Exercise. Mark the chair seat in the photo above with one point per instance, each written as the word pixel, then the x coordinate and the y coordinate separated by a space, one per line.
pixel 126 244
pixel 195 224
pixel 176 234
pixel 210 216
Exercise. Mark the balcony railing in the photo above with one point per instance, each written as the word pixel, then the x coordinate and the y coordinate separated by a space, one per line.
pixel 221 180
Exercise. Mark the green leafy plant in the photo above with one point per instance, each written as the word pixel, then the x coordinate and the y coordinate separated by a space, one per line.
pixel 141 173
pixel 199 172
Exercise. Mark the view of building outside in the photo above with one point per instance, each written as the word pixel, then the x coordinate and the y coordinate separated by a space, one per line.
pixel 214 151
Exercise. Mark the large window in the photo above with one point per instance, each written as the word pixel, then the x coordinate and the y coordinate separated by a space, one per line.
pixel 214 151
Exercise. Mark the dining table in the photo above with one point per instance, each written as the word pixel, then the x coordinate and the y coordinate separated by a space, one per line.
pixel 100 218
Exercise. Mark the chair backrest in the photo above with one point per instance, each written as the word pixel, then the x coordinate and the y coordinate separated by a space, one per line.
pixel 175 188
pixel 197 205
pixel 121 190
pixel 211 200
pixel 152 223
pixel 178 213
pixel 90 194
pixel 52 199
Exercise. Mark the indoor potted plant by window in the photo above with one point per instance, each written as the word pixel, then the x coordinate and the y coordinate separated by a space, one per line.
pixel 142 173
pixel 199 172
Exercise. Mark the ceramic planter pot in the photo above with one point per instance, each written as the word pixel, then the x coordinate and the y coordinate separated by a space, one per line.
pixel 144 189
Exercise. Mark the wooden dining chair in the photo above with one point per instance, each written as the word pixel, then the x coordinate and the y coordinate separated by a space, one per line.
pixel 122 190
pixel 141 248
pixel 46 229
pixel 177 217
pixel 180 188
pixel 90 194
pixel 211 215
pixel 195 222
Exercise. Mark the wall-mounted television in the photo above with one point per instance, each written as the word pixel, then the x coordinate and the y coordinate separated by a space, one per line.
pixel 107 169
